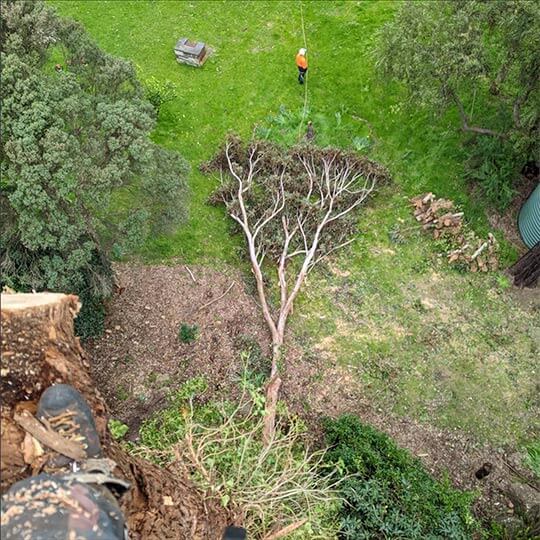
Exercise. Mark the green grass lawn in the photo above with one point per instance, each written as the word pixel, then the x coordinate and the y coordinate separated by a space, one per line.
pixel 251 74
pixel 426 341
pixel 474 348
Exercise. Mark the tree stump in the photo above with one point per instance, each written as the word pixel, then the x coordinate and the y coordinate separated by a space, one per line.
pixel 39 348
pixel 526 271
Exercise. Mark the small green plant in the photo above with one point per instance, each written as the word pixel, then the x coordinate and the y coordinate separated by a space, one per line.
pixel 503 282
pixel 188 333
pixel 532 457
pixel 118 429
pixel 256 367
pixel 361 144
pixel 127 360
pixel 122 393
pixel 390 494
pixel 159 92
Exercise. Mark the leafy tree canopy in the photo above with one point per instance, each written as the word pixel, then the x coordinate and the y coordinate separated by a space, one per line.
pixel 80 176
pixel 482 59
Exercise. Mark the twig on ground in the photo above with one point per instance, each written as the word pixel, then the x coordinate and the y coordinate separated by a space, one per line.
pixel 286 530
pixel 190 273
pixel 479 250
pixel 48 437
pixel 218 298
pixel 369 125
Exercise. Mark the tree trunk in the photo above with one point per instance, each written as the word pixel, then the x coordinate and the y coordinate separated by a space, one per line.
pixel 272 392
pixel 526 271
pixel 39 349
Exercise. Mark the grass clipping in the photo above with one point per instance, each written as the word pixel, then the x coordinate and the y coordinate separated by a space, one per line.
pixel 275 491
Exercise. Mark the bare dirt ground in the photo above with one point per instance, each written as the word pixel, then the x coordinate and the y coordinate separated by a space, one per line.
pixel 140 359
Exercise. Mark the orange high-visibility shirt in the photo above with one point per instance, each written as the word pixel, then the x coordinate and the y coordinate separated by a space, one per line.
pixel 301 61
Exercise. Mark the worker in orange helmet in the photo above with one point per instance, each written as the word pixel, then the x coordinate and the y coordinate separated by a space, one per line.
pixel 301 63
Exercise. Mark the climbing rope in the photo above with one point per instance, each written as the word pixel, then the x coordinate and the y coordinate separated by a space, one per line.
pixel 304 111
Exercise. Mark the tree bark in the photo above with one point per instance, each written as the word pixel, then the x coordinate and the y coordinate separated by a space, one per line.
pixel 465 121
pixel 39 348
pixel 526 271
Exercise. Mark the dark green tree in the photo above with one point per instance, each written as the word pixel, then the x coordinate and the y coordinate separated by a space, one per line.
pixel 80 177
pixel 481 59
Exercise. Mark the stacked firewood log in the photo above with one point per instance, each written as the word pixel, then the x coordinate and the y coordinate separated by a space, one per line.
pixel 466 249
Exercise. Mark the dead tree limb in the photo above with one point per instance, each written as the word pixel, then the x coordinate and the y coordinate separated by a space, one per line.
pixel 218 298
pixel 49 437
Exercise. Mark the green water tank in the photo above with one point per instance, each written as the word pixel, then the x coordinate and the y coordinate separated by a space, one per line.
pixel 529 219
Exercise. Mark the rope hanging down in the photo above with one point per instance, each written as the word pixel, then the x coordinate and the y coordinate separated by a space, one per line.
pixel 306 84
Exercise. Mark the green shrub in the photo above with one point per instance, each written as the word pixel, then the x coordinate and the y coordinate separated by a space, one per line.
pixel 391 495
pixel 495 167
pixel 168 427
pixel 272 486
pixel 118 429
pixel 188 333
pixel 90 321
pixel 81 179
pixel 159 92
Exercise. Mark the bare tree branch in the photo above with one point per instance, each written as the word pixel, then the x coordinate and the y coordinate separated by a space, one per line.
pixel 465 121
pixel 286 203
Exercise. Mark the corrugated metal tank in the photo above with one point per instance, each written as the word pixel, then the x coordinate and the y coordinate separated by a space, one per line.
pixel 529 219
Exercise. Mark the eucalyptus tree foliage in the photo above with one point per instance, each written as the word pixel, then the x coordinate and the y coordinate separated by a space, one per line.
pixel 480 58
pixel 80 176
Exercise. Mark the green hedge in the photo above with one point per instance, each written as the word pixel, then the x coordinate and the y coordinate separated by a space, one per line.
pixel 390 494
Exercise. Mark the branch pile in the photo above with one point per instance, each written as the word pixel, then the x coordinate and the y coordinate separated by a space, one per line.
pixel 466 249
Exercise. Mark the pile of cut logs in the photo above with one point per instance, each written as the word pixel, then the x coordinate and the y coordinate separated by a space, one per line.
pixel 436 215
pixel 467 250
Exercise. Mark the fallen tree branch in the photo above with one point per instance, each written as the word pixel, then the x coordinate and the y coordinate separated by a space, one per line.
pixel 299 205
pixel 218 298
pixel 479 250
pixel 286 530
pixel 190 273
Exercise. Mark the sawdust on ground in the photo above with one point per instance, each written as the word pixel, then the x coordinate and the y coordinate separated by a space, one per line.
pixel 141 358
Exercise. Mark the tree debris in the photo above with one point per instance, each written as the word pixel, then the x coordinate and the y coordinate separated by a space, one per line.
pixel 294 208
pixel 49 437
pixel 466 250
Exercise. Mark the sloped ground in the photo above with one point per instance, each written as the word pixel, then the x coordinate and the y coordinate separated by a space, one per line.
pixel 141 357
pixel 140 360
